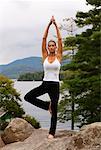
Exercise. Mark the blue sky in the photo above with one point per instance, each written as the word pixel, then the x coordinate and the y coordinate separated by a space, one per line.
pixel 23 22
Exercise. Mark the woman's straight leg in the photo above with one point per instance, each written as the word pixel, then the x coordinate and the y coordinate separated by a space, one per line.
pixel 54 96
pixel 53 118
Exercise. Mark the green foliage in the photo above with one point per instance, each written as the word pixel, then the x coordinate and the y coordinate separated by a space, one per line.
pixel 3 124
pixel 9 101
pixel 83 79
pixel 96 3
pixel 37 76
pixel 70 41
pixel 9 97
pixel 89 18
pixel 64 109
pixel 32 121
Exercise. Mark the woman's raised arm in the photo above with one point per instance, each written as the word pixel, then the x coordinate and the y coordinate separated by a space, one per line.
pixel 60 48
pixel 44 40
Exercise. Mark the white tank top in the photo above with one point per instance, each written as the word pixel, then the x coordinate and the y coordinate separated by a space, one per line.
pixel 51 70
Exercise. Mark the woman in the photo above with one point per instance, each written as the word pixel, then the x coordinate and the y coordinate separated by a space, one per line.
pixel 50 84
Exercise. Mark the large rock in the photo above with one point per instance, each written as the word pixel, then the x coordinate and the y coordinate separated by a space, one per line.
pixel 17 130
pixel 88 138
pixel 38 141
pixel 1 142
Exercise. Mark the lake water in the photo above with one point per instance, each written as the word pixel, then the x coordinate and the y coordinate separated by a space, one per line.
pixel 41 115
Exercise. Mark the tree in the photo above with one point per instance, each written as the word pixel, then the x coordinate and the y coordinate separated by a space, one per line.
pixel 9 98
pixel 84 82
pixel 10 103
pixel 70 48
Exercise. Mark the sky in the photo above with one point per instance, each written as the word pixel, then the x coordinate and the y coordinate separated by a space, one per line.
pixel 23 22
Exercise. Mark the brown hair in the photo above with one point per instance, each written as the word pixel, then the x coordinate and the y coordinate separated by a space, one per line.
pixel 52 41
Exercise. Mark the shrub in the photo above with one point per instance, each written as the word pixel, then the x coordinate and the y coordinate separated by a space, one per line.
pixel 32 121
pixel 3 124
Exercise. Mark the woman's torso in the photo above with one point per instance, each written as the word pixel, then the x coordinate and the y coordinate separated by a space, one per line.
pixel 51 67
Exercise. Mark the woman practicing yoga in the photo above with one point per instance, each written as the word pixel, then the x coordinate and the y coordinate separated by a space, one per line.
pixel 51 63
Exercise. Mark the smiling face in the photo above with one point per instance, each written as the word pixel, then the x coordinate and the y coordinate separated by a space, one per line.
pixel 52 46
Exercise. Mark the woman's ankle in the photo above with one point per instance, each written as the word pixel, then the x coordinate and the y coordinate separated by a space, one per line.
pixel 50 136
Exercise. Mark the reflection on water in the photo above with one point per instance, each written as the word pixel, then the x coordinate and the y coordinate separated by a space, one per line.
pixel 41 115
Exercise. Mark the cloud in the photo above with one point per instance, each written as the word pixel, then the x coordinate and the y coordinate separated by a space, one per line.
pixel 23 22
pixel 22 4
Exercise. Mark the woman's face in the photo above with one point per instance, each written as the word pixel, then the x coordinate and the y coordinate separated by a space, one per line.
pixel 51 47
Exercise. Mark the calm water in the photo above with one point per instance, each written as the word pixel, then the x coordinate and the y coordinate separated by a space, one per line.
pixel 41 115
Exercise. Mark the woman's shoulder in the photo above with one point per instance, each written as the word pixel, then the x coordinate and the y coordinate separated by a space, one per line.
pixel 43 59
pixel 59 58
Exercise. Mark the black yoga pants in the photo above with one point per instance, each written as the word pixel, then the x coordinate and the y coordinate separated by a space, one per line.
pixel 52 88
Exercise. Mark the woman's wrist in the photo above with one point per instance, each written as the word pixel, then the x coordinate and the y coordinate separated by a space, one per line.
pixel 49 23
pixel 60 38
pixel 55 24
pixel 44 37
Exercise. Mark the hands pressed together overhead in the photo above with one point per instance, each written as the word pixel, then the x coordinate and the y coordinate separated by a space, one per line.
pixel 52 21
pixel 44 41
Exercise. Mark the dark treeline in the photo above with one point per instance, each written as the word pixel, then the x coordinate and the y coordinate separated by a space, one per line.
pixel 37 76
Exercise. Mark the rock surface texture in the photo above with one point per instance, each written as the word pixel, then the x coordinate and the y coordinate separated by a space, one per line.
pixel 17 130
pixel 88 138
pixel 1 142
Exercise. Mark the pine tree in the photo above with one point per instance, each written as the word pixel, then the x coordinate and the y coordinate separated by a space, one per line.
pixel 83 82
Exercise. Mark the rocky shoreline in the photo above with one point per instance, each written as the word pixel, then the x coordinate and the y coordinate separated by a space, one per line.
pixel 19 135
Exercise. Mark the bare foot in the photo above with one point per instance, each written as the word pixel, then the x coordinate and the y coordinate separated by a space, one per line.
pixel 50 136
pixel 50 108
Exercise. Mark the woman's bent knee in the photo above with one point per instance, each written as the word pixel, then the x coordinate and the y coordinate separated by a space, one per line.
pixel 29 98
pixel 26 97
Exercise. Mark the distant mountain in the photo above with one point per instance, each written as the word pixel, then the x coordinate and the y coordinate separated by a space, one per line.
pixel 21 66
pixel 14 69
